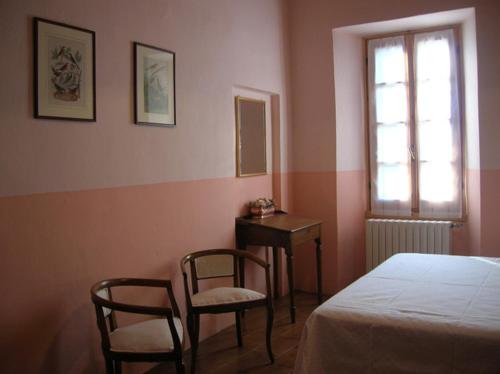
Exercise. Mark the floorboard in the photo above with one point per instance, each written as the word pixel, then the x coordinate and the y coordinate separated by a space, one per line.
pixel 220 353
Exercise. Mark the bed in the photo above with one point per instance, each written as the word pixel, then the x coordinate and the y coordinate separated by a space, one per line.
pixel 414 313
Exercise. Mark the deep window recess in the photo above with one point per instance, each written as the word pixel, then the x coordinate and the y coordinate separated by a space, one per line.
pixel 414 125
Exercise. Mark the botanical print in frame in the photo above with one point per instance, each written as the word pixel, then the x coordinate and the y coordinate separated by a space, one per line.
pixel 64 71
pixel 154 86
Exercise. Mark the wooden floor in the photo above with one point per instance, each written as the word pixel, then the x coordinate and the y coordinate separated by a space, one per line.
pixel 221 354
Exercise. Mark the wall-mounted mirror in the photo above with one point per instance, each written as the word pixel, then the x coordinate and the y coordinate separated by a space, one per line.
pixel 250 136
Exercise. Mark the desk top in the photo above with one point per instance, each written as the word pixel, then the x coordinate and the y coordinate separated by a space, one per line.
pixel 280 221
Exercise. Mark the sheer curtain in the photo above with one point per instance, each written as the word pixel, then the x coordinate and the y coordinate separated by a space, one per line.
pixel 437 117
pixel 389 127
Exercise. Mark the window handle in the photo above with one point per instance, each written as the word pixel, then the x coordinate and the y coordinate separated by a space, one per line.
pixel 411 149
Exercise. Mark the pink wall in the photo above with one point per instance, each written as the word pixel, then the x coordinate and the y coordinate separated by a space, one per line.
pixel 351 173
pixel 81 202
pixel 490 207
pixel 317 198
pixel 56 245
pixel 350 126
pixel 84 201
pixel 351 208
pixel 317 132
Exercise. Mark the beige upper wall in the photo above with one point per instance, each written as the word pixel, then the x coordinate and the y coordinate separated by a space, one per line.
pixel 218 44
pixel 313 99
pixel 350 81
pixel 488 51
pixel 349 101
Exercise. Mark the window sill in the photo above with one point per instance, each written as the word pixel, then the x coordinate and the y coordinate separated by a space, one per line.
pixel 457 222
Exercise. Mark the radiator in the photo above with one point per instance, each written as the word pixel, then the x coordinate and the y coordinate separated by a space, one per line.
pixel 385 237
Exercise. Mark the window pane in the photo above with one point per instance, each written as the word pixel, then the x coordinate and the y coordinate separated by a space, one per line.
pixel 433 61
pixel 391 104
pixel 393 182
pixel 392 143
pixel 437 181
pixel 388 129
pixel 390 64
pixel 437 115
pixel 433 100
pixel 435 141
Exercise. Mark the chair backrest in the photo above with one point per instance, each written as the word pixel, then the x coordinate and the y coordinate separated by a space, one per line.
pixel 215 263
pixel 214 266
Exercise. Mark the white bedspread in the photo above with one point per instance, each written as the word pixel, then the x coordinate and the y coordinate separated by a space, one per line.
pixel 414 313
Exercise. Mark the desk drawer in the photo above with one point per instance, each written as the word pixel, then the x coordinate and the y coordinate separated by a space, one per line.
pixel 306 234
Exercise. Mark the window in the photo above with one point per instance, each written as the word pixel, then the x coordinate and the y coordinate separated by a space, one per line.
pixel 415 125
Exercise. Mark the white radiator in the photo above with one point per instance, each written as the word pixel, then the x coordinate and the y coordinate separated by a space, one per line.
pixel 385 237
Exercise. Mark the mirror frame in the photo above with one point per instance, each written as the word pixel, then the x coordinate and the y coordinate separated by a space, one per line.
pixel 238 100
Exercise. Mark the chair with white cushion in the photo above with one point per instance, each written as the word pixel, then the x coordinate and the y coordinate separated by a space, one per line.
pixel 219 263
pixel 158 339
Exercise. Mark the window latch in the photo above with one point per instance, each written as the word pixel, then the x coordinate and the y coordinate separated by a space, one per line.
pixel 411 149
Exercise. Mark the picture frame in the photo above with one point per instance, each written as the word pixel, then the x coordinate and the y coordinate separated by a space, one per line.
pixel 251 152
pixel 154 86
pixel 64 71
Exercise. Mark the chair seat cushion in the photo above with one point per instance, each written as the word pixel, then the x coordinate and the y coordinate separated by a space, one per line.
pixel 147 336
pixel 225 295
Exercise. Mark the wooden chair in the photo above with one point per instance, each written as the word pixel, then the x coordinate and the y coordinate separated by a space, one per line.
pixel 159 339
pixel 218 263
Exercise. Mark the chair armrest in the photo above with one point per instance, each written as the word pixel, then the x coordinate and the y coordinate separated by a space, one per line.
pixel 252 257
pixel 263 264
pixel 173 302
pixel 141 282
pixel 131 308
pixel 187 294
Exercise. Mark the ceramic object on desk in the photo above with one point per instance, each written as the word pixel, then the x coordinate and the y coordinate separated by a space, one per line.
pixel 259 212
pixel 262 207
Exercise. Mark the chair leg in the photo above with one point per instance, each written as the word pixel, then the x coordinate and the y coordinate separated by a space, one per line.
pixel 238 328
pixel 190 328
pixel 179 366
pixel 118 367
pixel 109 366
pixel 197 327
pixel 269 328
pixel 193 321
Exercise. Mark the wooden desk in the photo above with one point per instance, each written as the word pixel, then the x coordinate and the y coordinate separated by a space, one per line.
pixel 285 231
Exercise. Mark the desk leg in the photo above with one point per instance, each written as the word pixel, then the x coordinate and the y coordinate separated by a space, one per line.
pixel 276 272
pixel 289 267
pixel 318 270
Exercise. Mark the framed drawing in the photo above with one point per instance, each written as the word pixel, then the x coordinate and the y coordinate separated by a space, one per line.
pixel 250 137
pixel 154 86
pixel 64 71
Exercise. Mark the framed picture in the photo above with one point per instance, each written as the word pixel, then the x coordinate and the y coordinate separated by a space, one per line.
pixel 250 137
pixel 64 71
pixel 154 86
